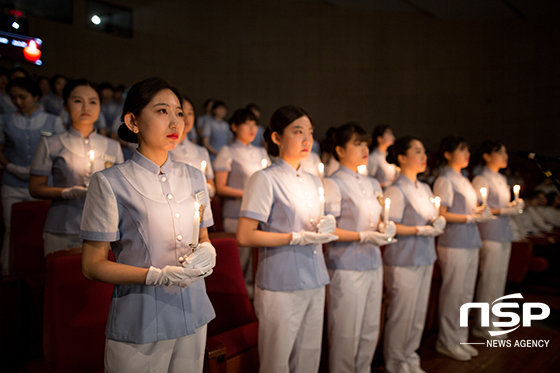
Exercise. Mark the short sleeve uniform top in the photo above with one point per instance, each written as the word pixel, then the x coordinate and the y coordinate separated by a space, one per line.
pixel 354 200
pixel 192 154
pixel 21 134
pixel 146 213
pixel 498 197
pixel 458 195
pixel 411 205
pixel 66 157
pixel 286 200
pixel 218 133
pixel 240 161
pixel 379 168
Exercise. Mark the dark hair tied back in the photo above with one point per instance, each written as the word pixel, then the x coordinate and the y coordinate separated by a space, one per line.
pixel 400 147
pixel 450 144
pixel 281 119
pixel 344 133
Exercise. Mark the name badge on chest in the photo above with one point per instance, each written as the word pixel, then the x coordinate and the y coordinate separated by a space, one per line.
pixel 199 196
pixel 109 160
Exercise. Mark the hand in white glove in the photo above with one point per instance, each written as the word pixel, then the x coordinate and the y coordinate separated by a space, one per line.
pixel 439 223
pixel 311 238
pixel 327 224
pixel 204 257
pixel 74 192
pixel 513 210
pixel 478 218
pixel 376 238
pixel 174 276
pixel 21 172
pixel 390 229
pixel 428 230
pixel 520 204
pixel 211 190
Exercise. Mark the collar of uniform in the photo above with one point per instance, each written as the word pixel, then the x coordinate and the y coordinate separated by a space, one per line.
pixel 379 152
pixel 451 172
pixel 347 171
pixel 35 113
pixel 405 180
pixel 286 167
pixel 239 143
pixel 150 165
pixel 75 132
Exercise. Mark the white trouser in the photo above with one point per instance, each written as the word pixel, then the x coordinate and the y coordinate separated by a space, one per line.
pixel 245 256
pixel 185 355
pixel 492 274
pixel 10 195
pixel 458 270
pixel 290 329
pixel 408 291
pixel 354 311
pixel 60 241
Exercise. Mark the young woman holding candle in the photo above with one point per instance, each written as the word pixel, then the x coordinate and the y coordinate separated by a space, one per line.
pixel 71 158
pixel 408 263
pixel 354 261
pixel 20 132
pixel 143 210
pixel 279 205
pixel 378 167
pixel 496 234
pixel 457 247
pixel 190 153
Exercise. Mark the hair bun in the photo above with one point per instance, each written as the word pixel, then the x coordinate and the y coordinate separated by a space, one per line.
pixel 127 135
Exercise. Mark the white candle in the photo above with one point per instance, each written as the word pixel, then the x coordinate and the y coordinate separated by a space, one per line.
pixel 91 159
pixel 321 201
pixel 321 169
pixel 203 167
pixel 516 189
pixel 362 169
pixel 386 211
pixel 484 195
pixel 264 163
pixel 437 203
pixel 196 224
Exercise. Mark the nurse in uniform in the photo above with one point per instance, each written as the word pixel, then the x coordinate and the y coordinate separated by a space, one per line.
pixel 215 132
pixel 457 247
pixel 496 235
pixel 279 205
pixel 378 167
pixel 408 263
pixel 143 210
pixel 190 153
pixel 71 158
pixel 354 261
pixel 20 132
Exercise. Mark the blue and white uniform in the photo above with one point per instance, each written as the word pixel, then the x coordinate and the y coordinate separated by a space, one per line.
pixel 496 238
pixel 356 286
pixel 458 255
pixel 54 105
pixel 290 283
pixel 20 134
pixel 145 212
pixel 408 266
pixel 66 157
pixel 379 168
pixel 218 132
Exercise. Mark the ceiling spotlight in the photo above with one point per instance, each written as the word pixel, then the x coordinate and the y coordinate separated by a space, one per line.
pixel 95 20
pixel 15 25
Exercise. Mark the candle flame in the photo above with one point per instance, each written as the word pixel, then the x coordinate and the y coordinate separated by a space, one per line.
pixel 264 163
pixel 321 192
pixel 91 155
pixel 32 46
pixel 321 168
pixel 203 166
pixel 516 188
pixel 483 192
pixel 387 202
pixel 362 169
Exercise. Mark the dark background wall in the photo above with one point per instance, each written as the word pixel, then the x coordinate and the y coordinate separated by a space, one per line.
pixel 421 74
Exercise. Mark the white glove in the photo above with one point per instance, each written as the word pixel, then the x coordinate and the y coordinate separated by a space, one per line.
pixel 478 218
pixel 21 172
pixel 520 204
pixel 311 238
pixel 174 276
pixel 327 224
pixel 428 230
pixel 439 223
pixel 211 190
pixel 512 210
pixel 203 258
pixel 74 192
pixel 376 238
pixel 390 229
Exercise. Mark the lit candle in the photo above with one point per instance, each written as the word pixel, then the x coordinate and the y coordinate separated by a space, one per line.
pixel 321 169
pixel 321 201
pixel 437 203
pixel 196 224
pixel 484 195
pixel 387 206
pixel 264 163
pixel 516 189
pixel 91 159
pixel 203 167
pixel 362 169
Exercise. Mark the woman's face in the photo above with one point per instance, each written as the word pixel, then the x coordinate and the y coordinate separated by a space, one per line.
pixel 296 141
pixel 459 157
pixel 220 112
pixel 83 105
pixel 497 159
pixel 354 153
pixel 44 86
pixel 24 100
pixel 160 124
pixel 59 85
pixel 246 131
pixel 188 117
pixel 387 139
pixel 415 159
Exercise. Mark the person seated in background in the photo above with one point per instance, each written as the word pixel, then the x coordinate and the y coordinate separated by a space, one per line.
pixel 534 209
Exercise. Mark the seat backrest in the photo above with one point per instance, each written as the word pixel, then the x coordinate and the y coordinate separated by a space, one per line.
pixel 75 315
pixel 27 254
pixel 216 205
pixel 226 289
